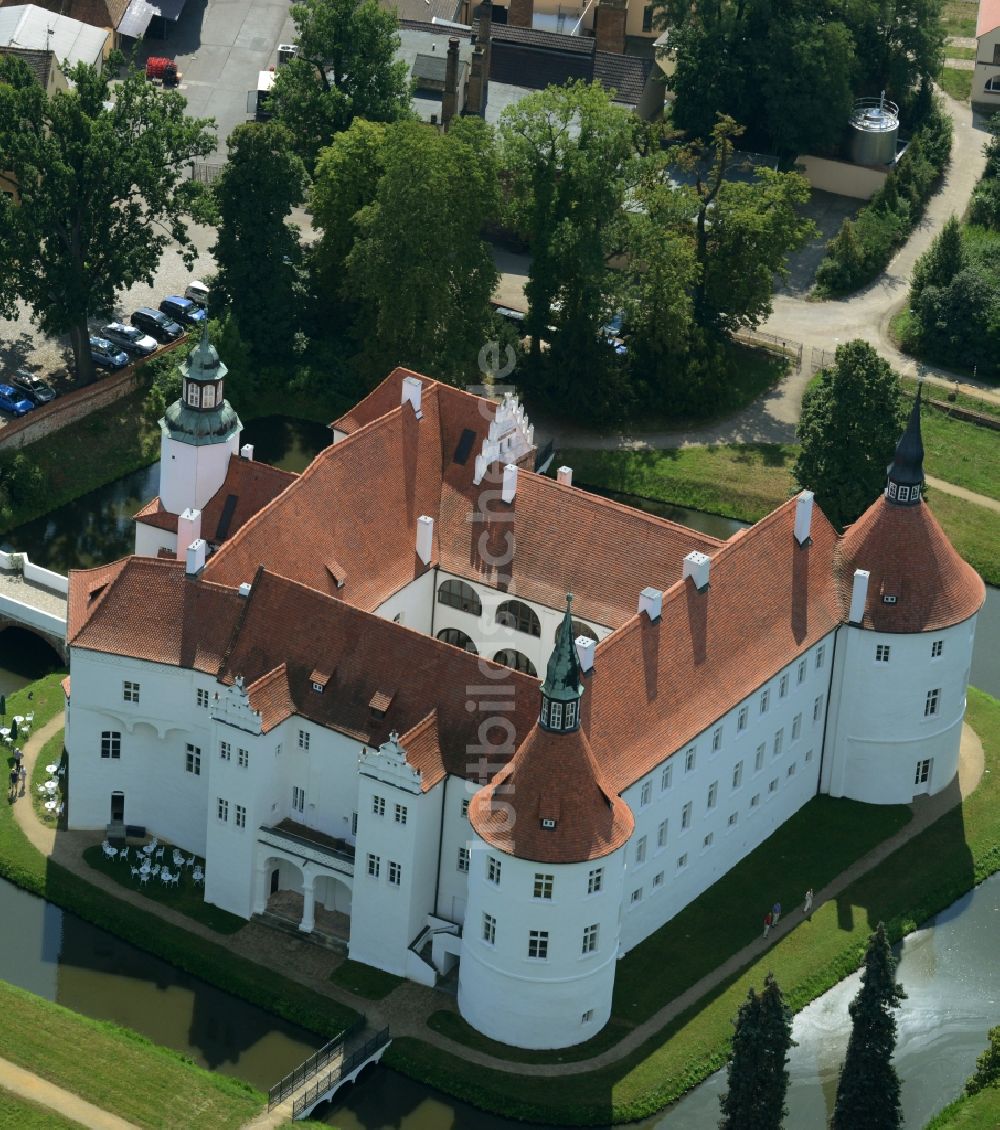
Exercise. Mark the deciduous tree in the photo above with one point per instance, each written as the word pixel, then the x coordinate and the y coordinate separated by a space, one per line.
pixel 868 1091
pixel 102 187
pixel 987 1073
pixel 849 428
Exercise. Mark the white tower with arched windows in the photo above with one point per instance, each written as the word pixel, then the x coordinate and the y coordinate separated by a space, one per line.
pixel 546 879
pixel 198 433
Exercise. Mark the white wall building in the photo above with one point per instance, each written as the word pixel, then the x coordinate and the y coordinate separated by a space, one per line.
pixel 331 691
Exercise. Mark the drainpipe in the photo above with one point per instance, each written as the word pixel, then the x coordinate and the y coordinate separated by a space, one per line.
pixel 437 873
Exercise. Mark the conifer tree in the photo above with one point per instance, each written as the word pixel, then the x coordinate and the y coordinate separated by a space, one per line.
pixel 868 1092
pixel 758 1081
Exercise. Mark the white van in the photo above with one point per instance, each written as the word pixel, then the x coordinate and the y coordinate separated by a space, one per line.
pixel 197 292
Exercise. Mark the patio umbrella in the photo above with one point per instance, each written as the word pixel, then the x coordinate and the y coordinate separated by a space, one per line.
pixel 13 730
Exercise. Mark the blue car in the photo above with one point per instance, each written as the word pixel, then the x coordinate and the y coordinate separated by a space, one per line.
pixel 183 310
pixel 14 402
pixel 105 355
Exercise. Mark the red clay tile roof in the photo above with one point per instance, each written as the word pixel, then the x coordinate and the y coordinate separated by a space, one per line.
pixel 989 17
pixel 86 591
pixel 271 697
pixel 388 394
pixel 423 750
pixel 251 486
pixel 153 514
pixel 552 777
pixel 656 686
pixel 909 556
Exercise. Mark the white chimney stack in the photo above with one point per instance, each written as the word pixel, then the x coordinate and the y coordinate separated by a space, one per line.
pixel 565 476
pixel 425 538
pixel 412 389
pixel 585 652
pixel 696 566
pixel 803 516
pixel 651 602
pixel 246 451
pixel 196 557
pixel 188 530
pixel 245 588
pixel 859 596
pixel 509 482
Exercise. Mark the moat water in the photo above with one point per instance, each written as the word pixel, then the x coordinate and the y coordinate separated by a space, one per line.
pixel 948 968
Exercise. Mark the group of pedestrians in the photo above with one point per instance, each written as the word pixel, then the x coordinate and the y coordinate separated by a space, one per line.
pixel 18 776
pixel 773 916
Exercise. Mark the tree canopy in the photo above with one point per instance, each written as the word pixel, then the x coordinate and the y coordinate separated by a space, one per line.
pixel 868 1091
pixel 102 187
pixel 849 429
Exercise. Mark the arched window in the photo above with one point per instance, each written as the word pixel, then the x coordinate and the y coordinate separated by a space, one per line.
pixel 582 629
pixel 516 614
pixel 457 594
pixel 192 395
pixel 508 657
pixel 458 639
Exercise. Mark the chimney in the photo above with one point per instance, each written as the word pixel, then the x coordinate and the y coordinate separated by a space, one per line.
pixel 609 25
pixel 412 389
pixel 565 476
pixel 425 538
pixel 696 566
pixel 859 596
pixel 509 482
pixel 585 653
pixel 521 13
pixel 449 101
pixel 188 530
pixel 651 602
pixel 196 557
pixel 803 517
pixel 245 588
pixel 475 102
pixel 246 451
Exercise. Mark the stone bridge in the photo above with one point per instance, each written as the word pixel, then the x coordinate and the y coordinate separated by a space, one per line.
pixel 34 599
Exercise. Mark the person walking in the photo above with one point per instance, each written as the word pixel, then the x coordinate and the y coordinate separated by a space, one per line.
pixel 808 905
pixel 13 782
pixel 775 913
pixel 22 774
pixel 767 923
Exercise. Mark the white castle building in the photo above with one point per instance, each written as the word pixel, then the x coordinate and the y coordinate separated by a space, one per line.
pixel 328 685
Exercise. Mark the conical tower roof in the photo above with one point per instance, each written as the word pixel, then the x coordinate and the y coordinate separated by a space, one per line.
pixel 562 676
pixel 907 466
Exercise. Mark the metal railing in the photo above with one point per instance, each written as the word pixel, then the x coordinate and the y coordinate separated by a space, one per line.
pixel 312 1066
pixel 309 1099
pixel 205 171
pixel 346 853
pixel 773 343
pixel 821 359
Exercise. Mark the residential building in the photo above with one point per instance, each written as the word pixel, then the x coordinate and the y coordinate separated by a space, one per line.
pixel 986 76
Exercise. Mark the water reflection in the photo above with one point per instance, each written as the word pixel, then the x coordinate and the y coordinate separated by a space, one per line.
pixel 24 657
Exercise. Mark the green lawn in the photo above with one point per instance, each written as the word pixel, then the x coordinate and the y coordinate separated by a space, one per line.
pixel 365 980
pixel 956 83
pixel 961 399
pixel 52 752
pixel 118 1070
pixel 973 530
pixel 960 452
pixel 959 17
pixel 902 891
pixel 970 1112
pixel 953 52
pixel 20 1114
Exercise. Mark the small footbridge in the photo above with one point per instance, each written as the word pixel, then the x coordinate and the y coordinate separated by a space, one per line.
pixel 33 598
pixel 336 1064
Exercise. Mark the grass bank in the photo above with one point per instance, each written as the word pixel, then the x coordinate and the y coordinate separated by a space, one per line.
pixel 956 83
pixel 901 891
pixel 959 18
pixel 118 1070
pixel 970 1112
pixel 960 452
pixel 210 961
pixel 20 1114
pixel 365 980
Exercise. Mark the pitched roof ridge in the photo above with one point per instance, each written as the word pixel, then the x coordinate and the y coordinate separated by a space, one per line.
pixel 419 728
pixel 112 570
pixel 268 677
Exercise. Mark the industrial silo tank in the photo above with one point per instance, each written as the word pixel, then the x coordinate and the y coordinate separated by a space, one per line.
pixel 874 131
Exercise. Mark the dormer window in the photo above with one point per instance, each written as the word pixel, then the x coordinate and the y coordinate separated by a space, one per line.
pixel 318 688
pixel 548 824
pixel 888 599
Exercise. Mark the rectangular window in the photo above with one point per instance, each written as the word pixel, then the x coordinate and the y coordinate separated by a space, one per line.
pixel 571 708
pixel 820 656
pixel 783 686
pixel 640 850
pixel 765 701
pixel 464 856
pixel 636 895
pixel 595 880
pixel 937 647
pixel 589 939
pixel 465 807
pixel 277 750
pixel 661 834
pixel 489 929
pixel 755 800
pixel 538 944
pixel 130 691
pixel 737 774
pixel 923 772
pixel 225 751
pixel 303 739
pixel 354 823
pixel 741 719
pixel 111 745
pixel 241 816
pixel 933 702
pixel 686 815
pixel 818 708
pixel 378 805
pixel 647 19
pixel 682 861
pixel 779 741
pixel 401 813
pixel 796 727
pixel 587 1016
pixel 800 675
pixel 243 757
pixel 733 817
pixel 707 842
pixel 717 739
pixel 202 697
pixel 298 799
pixel 689 760
pixel 773 786
pixel 713 794
pixel 493 869
pixel 395 873
pixel 222 810
pixel 665 776
pixel 658 879
pixel 809 755
pixel 791 769
pixel 543 886
pixel 192 759
pixel 555 715
pixel 646 795
pixel 882 651
pixel 758 760
pixel 374 865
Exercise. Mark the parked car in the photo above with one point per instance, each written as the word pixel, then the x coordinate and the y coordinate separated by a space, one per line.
pixel 156 323
pixel 197 292
pixel 33 387
pixel 105 355
pixel 182 310
pixel 14 402
pixel 130 339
